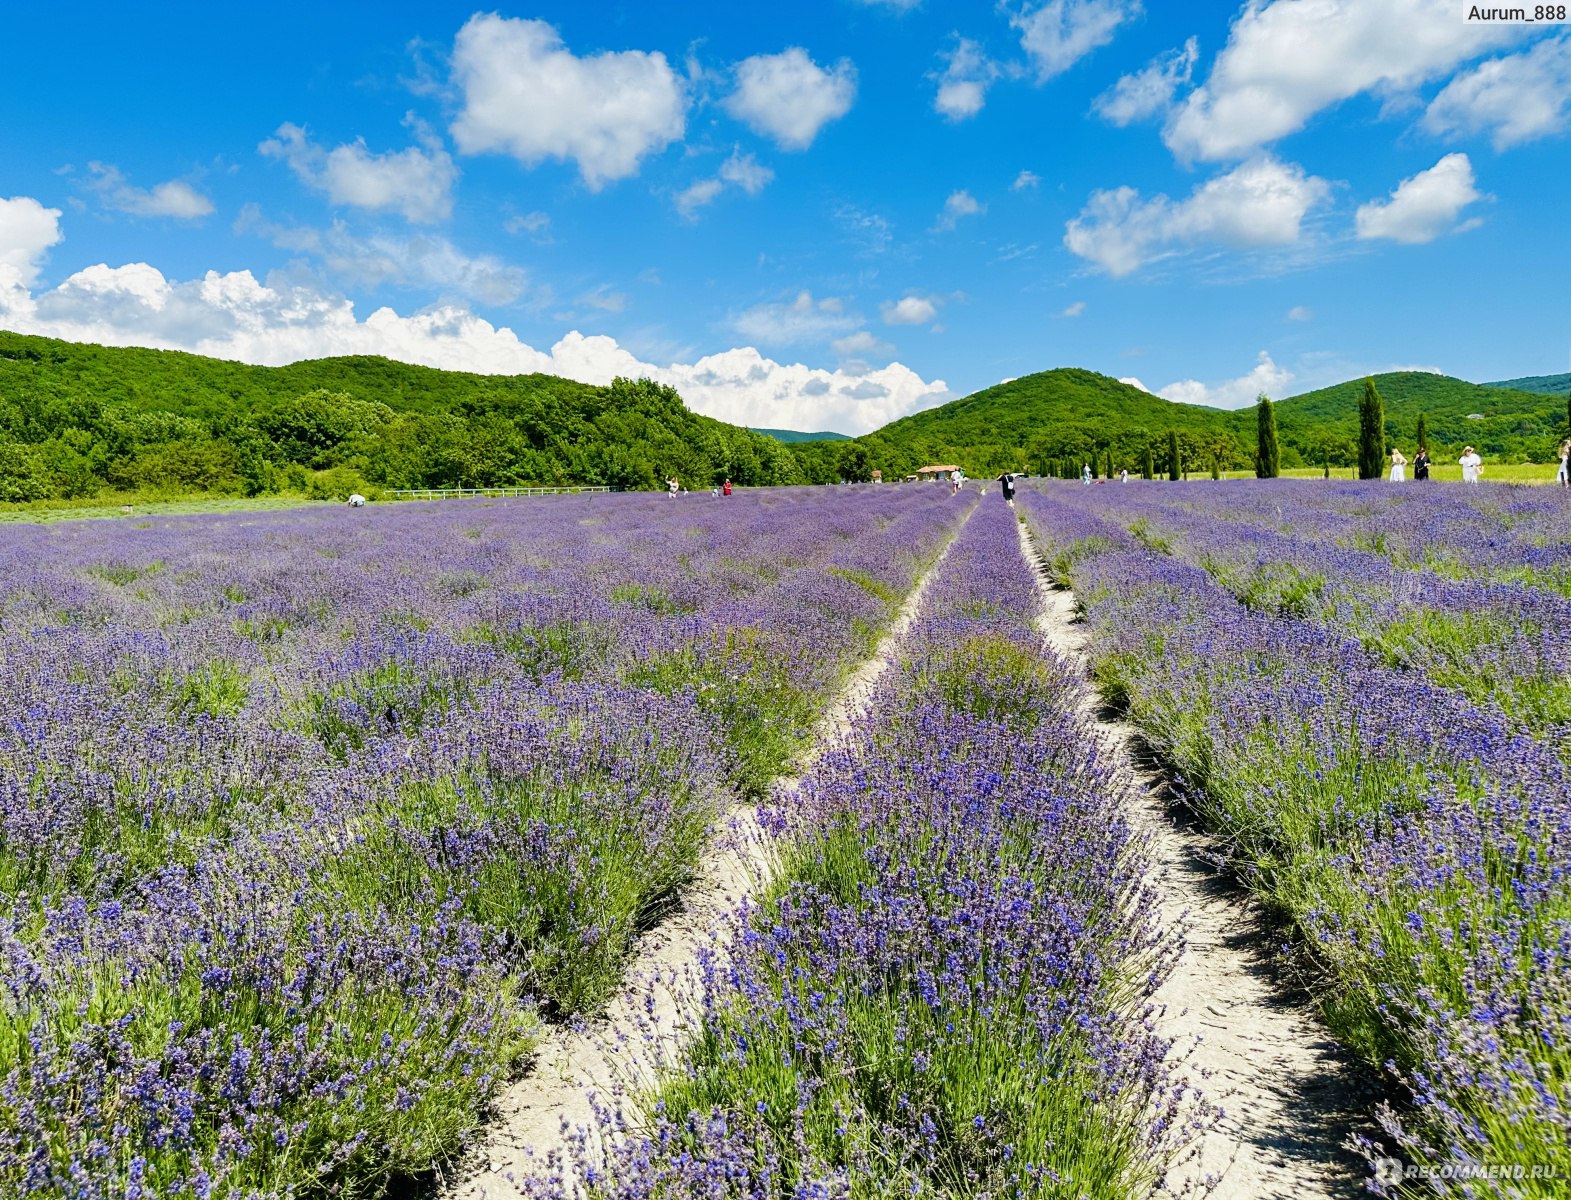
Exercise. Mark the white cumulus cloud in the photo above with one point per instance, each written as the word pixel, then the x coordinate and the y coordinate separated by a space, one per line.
pixel 527 95
pixel 27 230
pixel 962 88
pixel 1518 98
pixel 1058 34
pixel 740 171
pixel 415 182
pixel 1300 312
pixel 789 97
pixel 1024 180
pixel 909 310
pixel 957 206
pixel 173 198
pixel 1286 60
pixel 1259 204
pixel 1266 377
pixel 1423 206
pixel 1073 310
pixel 1150 90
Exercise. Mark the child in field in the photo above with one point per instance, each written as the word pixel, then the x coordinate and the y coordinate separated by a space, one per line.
pixel 1398 466
pixel 1472 466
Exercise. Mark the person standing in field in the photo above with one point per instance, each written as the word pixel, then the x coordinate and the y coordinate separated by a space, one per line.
pixel 1421 464
pixel 1563 478
pixel 1006 483
pixel 672 487
pixel 1123 475
pixel 1398 466
pixel 1472 466
pixel 1085 474
pixel 954 482
pixel 726 487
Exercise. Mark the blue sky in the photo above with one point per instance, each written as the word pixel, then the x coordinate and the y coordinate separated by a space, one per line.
pixel 817 215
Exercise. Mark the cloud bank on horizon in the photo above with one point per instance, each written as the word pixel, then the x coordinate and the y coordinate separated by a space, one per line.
pixel 823 219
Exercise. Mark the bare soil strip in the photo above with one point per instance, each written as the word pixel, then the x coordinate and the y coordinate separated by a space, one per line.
pixel 1290 1095
pixel 547 1111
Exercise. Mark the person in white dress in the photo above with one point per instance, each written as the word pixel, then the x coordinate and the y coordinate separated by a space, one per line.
pixel 1472 465
pixel 1398 465
pixel 1563 478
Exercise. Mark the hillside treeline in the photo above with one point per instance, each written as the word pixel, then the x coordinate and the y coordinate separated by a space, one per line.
pixel 76 421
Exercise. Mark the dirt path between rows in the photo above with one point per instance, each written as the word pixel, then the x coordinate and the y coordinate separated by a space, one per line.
pixel 545 1113
pixel 1290 1095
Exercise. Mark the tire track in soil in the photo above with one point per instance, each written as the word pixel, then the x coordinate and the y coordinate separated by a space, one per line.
pixel 538 1118
pixel 1291 1096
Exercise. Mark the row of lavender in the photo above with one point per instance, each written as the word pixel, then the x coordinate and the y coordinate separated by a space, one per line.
pixel 1416 839
pixel 308 821
pixel 1437 583
pixel 944 992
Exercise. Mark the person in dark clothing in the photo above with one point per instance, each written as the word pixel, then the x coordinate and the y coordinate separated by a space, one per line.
pixel 1421 464
pixel 1006 481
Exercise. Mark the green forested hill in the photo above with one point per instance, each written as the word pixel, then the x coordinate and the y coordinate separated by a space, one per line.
pixel 1037 422
pixel 1055 420
pixel 76 420
pixel 1503 423
pixel 1544 385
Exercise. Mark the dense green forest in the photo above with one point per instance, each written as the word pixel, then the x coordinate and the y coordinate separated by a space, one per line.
pixel 1053 421
pixel 78 421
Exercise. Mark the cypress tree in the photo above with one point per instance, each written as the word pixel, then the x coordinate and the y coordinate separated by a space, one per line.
pixel 1108 463
pixel 1423 431
pixel 1148 464
pixel 1216 464
pixel 1175 463
pixel 1371 433
pixel 1268 458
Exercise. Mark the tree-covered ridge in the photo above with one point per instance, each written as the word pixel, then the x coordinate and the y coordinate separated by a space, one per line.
pixel 76 420
pixel 1051 422
pixel 1544 385
pixel 790 436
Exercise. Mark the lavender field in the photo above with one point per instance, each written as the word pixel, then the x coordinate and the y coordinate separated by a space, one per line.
pixel 315 825
pixel 1363 691
pixel 311 821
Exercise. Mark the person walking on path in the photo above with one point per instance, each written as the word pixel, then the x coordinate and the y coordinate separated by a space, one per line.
pixel 956 477
pixel 1006 482
pixel 1472 466
pixel 1398 466
pixel 1563 477
pixel 1421 464
pixel 672 487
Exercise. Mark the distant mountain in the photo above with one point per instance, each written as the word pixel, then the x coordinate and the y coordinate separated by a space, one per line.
pixel 1039 423
pixel 1544 385
pixel 1056 420
pixel 792 436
